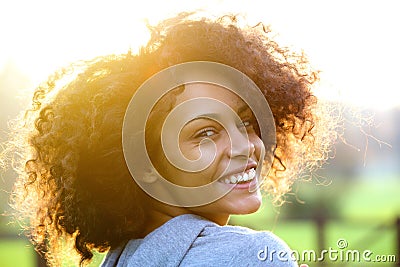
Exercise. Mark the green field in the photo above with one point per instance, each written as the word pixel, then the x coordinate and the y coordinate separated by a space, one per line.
pixel 362 213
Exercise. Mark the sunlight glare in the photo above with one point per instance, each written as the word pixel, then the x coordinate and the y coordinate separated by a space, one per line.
pixel 353 43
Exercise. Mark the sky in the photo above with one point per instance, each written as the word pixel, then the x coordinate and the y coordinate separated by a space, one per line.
pixel 355 44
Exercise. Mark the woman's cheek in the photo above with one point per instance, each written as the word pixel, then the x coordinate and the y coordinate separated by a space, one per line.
pixel 258 145
pixel 207 151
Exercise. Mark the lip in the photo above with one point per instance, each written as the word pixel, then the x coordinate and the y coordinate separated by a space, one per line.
pixel 241 186
pixel 250 164
pixel 244 185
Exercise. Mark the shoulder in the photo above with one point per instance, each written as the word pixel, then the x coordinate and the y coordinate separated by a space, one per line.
pixel 243 235
pixel 234 245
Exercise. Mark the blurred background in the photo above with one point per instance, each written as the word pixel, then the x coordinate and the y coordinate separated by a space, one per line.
pixel 354 199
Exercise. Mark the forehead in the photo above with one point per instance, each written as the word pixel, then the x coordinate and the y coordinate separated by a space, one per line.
pixel 196 90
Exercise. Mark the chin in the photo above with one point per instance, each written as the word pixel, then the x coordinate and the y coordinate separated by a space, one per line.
pixel 248 210
pixel 246 206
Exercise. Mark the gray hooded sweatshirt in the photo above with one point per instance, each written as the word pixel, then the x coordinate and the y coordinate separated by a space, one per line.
pixel 190 240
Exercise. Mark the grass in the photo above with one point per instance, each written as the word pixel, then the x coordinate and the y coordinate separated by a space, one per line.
pixel 15 253
pixel 362 213
pixel 365 214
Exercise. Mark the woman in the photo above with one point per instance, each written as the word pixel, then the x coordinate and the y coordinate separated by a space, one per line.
pixel 78 150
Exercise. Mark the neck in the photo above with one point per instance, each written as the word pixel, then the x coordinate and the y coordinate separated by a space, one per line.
pixel 220 219
pixel 159 213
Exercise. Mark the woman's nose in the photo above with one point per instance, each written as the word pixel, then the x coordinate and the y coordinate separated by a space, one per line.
pixel 240 144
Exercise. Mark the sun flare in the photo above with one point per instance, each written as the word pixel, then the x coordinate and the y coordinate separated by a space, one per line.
pixel 358 55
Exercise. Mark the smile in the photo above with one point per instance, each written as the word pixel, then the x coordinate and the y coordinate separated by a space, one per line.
pixel 240 178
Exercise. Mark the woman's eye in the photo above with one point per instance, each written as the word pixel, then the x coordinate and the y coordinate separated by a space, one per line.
pixel 206 133
pixel 249 125
pixel 245 123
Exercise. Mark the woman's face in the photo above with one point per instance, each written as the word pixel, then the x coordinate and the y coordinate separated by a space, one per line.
pixel 224 143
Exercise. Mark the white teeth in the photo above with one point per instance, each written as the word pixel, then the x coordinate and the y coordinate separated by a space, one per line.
pixel 247 176
pixel 252 174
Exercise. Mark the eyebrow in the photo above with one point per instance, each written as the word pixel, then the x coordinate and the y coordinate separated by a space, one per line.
pixel 243 108
pixel 215 116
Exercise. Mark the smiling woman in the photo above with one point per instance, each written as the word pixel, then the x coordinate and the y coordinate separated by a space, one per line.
pixel 79 144
pixel 226 141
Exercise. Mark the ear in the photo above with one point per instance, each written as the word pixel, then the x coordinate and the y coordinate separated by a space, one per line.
pixel 149 177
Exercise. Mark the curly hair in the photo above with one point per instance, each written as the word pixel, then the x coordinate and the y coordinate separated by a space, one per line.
pixel 73 183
